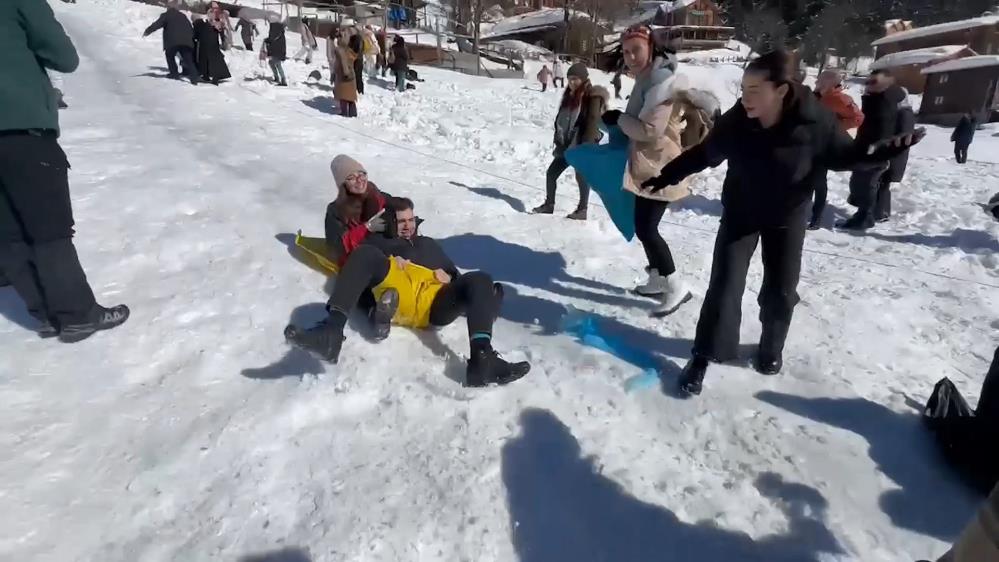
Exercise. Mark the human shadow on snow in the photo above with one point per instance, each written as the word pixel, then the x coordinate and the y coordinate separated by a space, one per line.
pixel 295 362
pixel 324 104
pixel 12 308
pixel 930 500
pixel 563 510
pixel 493 193
pixel 288 554
pixel 968 241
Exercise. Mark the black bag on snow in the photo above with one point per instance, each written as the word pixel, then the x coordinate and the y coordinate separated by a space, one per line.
pixel 969 442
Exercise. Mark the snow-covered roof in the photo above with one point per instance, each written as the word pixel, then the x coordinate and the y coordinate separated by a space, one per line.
pixel 532 21
pixel 916 56
pixel 937 29
pixel 978 61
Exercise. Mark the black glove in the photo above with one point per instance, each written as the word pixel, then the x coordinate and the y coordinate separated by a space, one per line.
pixel 658 183
pixel 611 117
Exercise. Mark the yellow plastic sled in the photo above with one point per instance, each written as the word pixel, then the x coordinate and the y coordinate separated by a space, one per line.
pixel 315 252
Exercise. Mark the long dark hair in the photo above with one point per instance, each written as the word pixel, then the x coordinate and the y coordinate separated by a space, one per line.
pixel 574 99
pixel 777 67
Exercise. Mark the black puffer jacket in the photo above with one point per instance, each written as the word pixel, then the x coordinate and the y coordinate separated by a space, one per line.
pixel 772 172
pixel 277 47
pixel 177 29
pixel 421 250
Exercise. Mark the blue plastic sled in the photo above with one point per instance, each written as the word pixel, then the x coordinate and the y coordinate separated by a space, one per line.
pixel 602 166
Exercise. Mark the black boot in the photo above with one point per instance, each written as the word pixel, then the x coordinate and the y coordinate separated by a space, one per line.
pixel 692 377
pixel 102 319
pixel 3 280
pixel 859 221
pixel 544 209
pixel 769 356
pixel 486 367
pixel 324 339
pixel 382 313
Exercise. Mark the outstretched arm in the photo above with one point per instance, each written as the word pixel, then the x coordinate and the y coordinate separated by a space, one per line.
pixel 710 152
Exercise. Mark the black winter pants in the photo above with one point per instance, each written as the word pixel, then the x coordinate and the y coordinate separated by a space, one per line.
pixel 555 171
pixel 186 59
pixel 882 199
pixel 961 154
pixel 866 189
pixel 36 230
pixel 648 214
pixel 721 314
pixel 988 402
pixel 366 267
pixel 471 294
pixel 821 195
pixel 359 75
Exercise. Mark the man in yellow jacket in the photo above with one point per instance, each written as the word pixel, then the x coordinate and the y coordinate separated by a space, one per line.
pixel 415 284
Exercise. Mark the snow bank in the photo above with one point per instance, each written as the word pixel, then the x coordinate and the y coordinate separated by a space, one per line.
pixel 541 19
pixel 917 56
pixel 930 30
pixel 966 63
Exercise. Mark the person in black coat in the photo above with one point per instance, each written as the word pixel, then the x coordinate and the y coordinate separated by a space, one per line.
pixel 963 134
pixel 178 39
pixel 277 51
pixel 247 29
pixel 400 62
pixel 208 53
pixel 883 105
pixel 776 140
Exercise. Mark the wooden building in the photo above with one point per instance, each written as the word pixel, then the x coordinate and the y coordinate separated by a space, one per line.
pixel 956 87
pixel 980 34
pixel 907 66
pixel 703 13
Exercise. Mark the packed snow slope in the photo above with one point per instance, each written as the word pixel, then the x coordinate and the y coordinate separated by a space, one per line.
pixel 194 433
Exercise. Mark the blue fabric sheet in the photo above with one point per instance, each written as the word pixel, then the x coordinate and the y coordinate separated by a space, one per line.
pixel 602 166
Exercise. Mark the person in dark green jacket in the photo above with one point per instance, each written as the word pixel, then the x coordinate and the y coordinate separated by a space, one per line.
pixel 37 255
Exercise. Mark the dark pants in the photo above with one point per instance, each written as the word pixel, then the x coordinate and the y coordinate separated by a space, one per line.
pixel 882 199
pixel 359 75
pixel 821 195
pixel 348 108
pixel 961 153
pixel 544 86
pixel 555 82
pixel 555 171
pixel 36 231
pixel 865 191
pixel 248 43
pixel 186 59
pixel 721 314
pixel 470 294
pixel 648 213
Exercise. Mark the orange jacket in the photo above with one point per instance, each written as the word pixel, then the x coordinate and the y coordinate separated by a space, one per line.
pixel 843 107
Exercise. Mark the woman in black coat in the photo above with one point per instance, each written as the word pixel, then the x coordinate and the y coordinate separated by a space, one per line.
pixel 776 140
pixel 208 53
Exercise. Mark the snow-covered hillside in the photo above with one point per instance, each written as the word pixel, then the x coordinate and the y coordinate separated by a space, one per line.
pixel 193 433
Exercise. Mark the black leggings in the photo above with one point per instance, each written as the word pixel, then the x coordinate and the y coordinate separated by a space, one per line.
pixel 471 294
pixel 821 195
pixel 555 171
pixel 366 267
pixel 648 213
pixel 961 154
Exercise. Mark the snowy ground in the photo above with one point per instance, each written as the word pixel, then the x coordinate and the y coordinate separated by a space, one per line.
pixel 193 432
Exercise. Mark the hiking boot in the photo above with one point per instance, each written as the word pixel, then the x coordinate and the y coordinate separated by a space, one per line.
pixel 814 224
pixel 322 340
pixel 675 295
pixel 769 365
pixel 486 367
pixel 856 222
pixel 382 313
pixel 544 209
pixel 47 331
pixel 654 286
pixel 692 377
pixel 578 215
pixel 103 319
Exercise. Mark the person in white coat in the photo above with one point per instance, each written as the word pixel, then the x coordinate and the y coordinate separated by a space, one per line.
pixel 558 73
pixel 309 43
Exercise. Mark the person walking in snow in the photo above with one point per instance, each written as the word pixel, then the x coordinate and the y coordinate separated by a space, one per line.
pixel 178 40
pixel 400 62
pixel 558 73
pixel 652 125
pixel 309 43
pixel 247 31
pixel 372 52
pixel 383 52
pixel 208 54
pixel 776 139
pixel 345 78
pixel 830 93
pixel 544 76
pixel 37 255
pixel 277 50
pixel 882 104
pixel 414 284
pixel 616 82
pixel 577 122
pixel 962 136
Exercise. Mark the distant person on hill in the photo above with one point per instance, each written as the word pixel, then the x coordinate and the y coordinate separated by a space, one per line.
pixel 616 82
pixel 558 73
pixel 963 134
pixel 830 93
pixel 775 140
pixel 400 62
pixel 544 76
pixel 247 30
pixel 345 78
pixel 309 43
pixel 277 50
pixel 372 51
pixel 577 122
pixel 415 284
pixel 383 51
pixel 208 53
pixel 178 40
pixel 37 255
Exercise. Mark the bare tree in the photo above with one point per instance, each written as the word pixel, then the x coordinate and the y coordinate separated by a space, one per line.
pixel 826 31
pixel 763 30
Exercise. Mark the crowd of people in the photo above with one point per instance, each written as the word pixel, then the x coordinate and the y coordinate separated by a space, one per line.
pixel 780 140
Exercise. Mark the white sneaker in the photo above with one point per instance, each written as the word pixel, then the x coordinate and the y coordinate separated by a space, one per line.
pixel 654 286
pixel 676 294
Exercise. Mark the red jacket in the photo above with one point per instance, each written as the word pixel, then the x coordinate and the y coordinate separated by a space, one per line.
pixel 344 236
pixel 844 108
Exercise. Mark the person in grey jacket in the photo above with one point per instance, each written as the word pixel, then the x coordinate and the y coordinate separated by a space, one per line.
pixel 37 254
pixel 178 39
